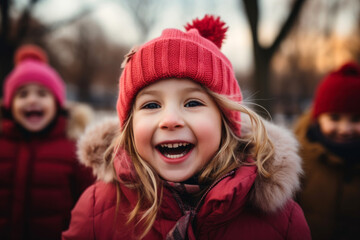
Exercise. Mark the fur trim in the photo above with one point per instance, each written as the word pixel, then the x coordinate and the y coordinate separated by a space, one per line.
pixel 272 193
pixel 93 144
pixel 268 194
pixel 314 149
pixel 80 115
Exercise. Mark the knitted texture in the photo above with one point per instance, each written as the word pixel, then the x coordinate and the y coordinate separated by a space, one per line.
pixel 339 92
pixel 177 54
pixel 31 67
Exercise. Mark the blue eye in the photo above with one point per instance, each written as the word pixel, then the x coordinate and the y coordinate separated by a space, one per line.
pixel 151 106
pixel 193 103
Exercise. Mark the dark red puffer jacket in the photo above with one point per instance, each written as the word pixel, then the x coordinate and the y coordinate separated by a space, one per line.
pixel 40 179
pixel 241 206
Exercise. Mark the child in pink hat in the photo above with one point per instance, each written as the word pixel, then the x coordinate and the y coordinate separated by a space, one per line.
pixel 40 177
pixel 330 138
pixel 186 159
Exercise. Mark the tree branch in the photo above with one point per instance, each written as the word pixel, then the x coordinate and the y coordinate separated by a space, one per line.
pixel 287 25
pixel 252 13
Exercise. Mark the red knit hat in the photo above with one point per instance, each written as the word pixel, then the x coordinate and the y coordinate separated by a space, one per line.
pixel 31 66
pixel 194 55
pixel 339 92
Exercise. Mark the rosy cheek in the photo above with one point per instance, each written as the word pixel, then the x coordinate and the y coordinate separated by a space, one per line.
pixel 142 134
pixel 209 132
pixel 327 127
pixel 328 131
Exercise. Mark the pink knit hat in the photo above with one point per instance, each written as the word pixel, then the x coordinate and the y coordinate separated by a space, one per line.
pixel 339 92
pixel 31 66
pixel 194 55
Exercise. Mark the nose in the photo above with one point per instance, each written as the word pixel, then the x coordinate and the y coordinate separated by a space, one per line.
pixel 32 97
pixel 171 119
pixel 344 128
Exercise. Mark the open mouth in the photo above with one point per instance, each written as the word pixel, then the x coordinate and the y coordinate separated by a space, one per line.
pixel 33 114
pixel 174 150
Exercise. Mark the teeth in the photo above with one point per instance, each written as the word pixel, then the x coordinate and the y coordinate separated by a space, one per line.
pixel 174 156
pixel 174 145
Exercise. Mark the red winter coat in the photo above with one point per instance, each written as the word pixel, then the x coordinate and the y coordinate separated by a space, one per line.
pixel 40 178
pixel 241 206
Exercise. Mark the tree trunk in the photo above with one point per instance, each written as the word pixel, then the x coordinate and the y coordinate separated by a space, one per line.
pixel 263 55
pixel 262 94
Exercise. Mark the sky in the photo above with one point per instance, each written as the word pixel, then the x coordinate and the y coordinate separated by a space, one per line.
pixel 120 27
pixel 118 24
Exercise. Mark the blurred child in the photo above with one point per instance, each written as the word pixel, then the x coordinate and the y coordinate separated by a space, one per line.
pixel 184 165
pixel 330 137
pixel 40 177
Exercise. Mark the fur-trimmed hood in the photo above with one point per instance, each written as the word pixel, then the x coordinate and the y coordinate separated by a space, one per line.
pixel 79 117
pixel 268 194
pixel 300 129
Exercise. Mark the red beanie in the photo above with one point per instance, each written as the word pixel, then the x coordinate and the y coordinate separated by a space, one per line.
pixel 194 55
pixel 31 67
pixel 339 92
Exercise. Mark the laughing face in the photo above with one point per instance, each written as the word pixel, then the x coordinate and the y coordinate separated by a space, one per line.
pixel 177 128
pixel 33 107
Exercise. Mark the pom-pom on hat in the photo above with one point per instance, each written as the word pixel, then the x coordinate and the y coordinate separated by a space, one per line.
pixel 31 66
pixel 339 91
pixel 194 54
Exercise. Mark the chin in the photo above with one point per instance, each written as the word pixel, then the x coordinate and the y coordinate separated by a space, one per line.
pixel 34 129
pixel 176 177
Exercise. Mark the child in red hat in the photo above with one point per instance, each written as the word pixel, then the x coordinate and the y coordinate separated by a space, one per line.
pixel 186 159
pixel 330 137
pixel 40 177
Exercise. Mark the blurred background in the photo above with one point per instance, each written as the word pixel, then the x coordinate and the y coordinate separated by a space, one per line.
pixel 280 49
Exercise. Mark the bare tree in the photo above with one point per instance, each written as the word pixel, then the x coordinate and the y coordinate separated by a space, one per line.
pixel 15 31
pixel 12 33
pixel 313 48
pixel 263 55
pixel 145 14
pixel 88 59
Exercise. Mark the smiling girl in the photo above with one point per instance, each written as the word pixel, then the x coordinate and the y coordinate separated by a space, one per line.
pixel 187 160
pixel 330 138
pixel 40 178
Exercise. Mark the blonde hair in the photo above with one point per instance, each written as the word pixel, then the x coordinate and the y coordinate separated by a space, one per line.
pixel 233 152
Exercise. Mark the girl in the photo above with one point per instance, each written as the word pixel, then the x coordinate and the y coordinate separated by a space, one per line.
pixel 330 136
pixel 183 165
pixel 40 178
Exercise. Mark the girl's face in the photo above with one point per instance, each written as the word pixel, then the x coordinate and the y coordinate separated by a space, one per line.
pixel 33 107
pixel 340 127
pixel 177 127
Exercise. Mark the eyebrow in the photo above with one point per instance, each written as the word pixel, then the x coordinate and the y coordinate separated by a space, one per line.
pixel 189 89
pixel 39 87
pixel 20 88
